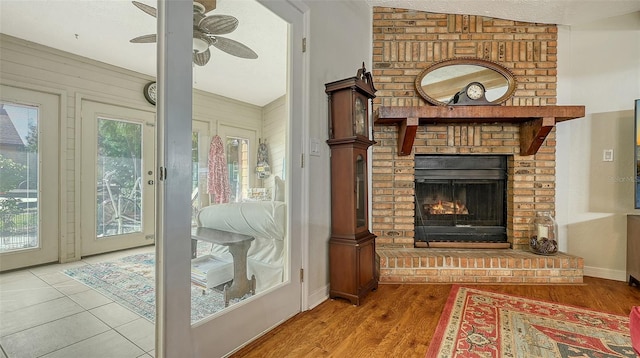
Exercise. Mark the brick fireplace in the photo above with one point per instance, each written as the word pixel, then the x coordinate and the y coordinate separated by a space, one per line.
pixel 405 43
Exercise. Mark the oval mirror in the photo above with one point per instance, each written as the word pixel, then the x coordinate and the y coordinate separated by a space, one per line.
pixel 441 81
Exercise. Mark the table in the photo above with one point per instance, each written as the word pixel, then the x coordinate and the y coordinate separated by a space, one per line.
pixel 238 247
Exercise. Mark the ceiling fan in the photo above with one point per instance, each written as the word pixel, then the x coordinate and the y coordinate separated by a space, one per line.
pixel 205 34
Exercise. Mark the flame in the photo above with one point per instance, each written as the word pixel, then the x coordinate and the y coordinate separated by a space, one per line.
pixel 446 208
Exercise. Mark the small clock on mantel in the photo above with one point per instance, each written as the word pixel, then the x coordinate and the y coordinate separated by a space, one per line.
pixel 473 94
pixel 351 246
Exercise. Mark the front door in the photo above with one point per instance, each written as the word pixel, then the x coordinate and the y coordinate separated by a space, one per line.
pixel 117 189
pixel 29 180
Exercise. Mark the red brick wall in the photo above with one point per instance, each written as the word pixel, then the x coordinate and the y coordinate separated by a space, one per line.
pixel 404 44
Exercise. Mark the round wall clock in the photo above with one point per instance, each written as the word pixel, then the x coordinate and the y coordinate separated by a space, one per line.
pixel 150 92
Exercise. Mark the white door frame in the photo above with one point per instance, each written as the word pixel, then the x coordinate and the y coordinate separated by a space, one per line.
pixel 174 130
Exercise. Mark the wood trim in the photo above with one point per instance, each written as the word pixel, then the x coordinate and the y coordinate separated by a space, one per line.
pixel 536 121
pixel 533 133
pixel 407 134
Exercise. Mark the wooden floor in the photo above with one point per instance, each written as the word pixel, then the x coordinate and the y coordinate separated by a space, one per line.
pixel 398 320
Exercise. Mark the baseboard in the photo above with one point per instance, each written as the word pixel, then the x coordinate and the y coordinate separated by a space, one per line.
pixel 318 296
pixel 605 273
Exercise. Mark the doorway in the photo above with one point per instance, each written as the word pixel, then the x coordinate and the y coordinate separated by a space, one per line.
pixel 117 190
pixel 29 180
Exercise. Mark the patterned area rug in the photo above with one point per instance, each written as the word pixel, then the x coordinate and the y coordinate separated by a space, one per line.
pixel 130 281
pixel 478 323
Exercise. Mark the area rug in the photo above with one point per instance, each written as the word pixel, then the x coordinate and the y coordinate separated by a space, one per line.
pixel 478 323
pixel 130 281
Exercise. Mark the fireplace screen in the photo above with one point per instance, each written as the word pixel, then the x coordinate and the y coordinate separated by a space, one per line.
pixel 460 198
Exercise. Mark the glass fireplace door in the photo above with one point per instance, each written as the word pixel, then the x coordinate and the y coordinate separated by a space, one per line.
pixel 460 203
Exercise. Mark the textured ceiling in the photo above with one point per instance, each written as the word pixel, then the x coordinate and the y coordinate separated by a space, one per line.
pixel 101 30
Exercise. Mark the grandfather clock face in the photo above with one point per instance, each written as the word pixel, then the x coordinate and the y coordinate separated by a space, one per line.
pixel 360 116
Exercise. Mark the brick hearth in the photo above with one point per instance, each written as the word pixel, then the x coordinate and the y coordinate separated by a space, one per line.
pixel 404 265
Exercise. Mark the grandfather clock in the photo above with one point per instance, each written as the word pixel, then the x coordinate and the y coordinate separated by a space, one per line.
pixel 352 252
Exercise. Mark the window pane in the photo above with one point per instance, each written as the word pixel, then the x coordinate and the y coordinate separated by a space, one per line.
pixel 18 177
pixel 119 173
pixel 238 164
pixel 195 172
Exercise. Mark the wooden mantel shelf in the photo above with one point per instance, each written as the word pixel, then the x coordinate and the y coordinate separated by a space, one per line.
pixel 535 121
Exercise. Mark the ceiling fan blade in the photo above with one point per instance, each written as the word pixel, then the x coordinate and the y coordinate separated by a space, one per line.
pixel 144 39
pixel 234 48
pixel 201 58
pixel 219 24
pixel 146 8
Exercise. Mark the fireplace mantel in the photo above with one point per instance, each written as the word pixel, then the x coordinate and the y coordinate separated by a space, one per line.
pixel 535 121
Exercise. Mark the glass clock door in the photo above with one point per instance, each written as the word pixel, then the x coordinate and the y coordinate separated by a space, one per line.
pixel 361 182
pixel 360 116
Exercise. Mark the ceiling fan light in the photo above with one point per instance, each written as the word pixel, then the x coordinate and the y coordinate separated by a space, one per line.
pixel 200 45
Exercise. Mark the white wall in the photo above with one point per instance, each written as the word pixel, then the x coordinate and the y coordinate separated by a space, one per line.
pixel 335 52
pixel 599 67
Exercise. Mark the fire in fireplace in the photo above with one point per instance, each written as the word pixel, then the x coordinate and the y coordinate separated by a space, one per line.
pixel 460 198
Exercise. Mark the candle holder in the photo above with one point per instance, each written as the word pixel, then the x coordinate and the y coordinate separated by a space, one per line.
pixel 543 234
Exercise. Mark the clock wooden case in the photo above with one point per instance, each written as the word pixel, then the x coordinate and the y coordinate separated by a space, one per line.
pixel 352 253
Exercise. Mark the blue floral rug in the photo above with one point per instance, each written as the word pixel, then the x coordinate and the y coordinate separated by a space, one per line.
pixel 130 281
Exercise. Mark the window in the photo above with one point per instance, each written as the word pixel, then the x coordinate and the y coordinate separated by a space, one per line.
pixel 18 177
pixel 237 150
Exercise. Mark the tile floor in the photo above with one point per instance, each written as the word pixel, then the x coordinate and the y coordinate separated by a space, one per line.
pixel 45 313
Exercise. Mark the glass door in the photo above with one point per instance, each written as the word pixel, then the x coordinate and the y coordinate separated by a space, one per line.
pixel 29 183
pixel 278 285
pixel 118 178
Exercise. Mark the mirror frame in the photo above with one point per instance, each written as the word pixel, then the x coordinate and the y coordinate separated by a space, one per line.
pixel 508 75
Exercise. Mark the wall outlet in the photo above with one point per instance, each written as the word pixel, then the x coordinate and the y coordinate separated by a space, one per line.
pixel 607 155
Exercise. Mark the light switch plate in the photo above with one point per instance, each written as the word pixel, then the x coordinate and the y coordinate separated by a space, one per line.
pixel 314 147
pixel 607 155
